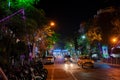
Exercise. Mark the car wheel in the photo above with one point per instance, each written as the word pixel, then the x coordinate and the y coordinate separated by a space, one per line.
pixel 78 64
pixel 87 65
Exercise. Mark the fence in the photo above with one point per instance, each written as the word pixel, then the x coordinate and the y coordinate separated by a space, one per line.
pixel 112 60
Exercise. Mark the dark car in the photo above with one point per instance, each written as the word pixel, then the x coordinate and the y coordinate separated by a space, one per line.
pixel 67 58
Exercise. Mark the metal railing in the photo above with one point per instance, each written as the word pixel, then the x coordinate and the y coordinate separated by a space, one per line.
pixel 112 60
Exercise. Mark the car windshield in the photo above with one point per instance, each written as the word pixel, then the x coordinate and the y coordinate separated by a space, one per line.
pixel 84 58
pixel 50 57
pixel 67 56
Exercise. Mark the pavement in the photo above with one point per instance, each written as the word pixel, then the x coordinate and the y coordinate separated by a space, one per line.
pixel 107 65
pixel 113 65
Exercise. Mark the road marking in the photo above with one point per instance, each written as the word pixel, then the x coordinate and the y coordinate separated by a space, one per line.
pixel 73 75
pixel 52 74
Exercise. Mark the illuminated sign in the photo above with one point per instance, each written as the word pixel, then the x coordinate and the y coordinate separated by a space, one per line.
pixel 105 51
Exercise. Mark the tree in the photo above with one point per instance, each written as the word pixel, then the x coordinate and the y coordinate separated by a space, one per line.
pixel 103 26
pixel 106 20
pixel 89 34
pixel 46 38
pixel 69 45
pixel 22 3
pixel 26 22
pixel 94 34
pixel 51 40
pixel 20 25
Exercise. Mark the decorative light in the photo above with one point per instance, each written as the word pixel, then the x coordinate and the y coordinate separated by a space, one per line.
pixel 8 3
pixel 8 17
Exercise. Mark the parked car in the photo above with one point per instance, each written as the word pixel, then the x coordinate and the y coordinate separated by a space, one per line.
pixel 85 62
pixel 49 59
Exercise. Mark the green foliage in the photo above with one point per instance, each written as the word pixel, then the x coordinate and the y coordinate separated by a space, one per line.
pixel 51 40
pixel 23 29
pixel 108 20
pixel 55 37
pixel 34 18
pixel 80 40
pixel 21 48
pixel 22 3
pixel 69 45
pixel 94 34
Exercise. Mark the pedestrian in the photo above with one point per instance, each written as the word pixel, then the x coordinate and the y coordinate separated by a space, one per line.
pixel 22 58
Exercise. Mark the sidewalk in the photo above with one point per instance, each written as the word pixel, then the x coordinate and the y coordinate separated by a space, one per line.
pixel 114 65
pixel 111 64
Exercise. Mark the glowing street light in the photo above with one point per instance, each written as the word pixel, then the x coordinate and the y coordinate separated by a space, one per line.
pixel 83 36
pixel 114 40
pixel 52 23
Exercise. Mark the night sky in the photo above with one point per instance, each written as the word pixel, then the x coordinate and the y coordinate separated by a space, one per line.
pixel 68 14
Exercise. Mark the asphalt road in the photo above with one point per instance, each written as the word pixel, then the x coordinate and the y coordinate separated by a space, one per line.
pixel 71 71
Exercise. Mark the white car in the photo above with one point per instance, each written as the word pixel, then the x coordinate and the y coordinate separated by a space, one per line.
pixel 49 59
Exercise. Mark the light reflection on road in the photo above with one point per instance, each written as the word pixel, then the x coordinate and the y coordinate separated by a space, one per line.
pixel 71 71
pixel 60 70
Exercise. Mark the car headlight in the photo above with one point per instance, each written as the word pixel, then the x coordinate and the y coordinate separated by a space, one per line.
pixel 66 66
pixel 71 65
pixel 65 58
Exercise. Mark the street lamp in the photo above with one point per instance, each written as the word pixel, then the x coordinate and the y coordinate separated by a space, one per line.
pixel 52 23
pixel 83 36
pixel 114 40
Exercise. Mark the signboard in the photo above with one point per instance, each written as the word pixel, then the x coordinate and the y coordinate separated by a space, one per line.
pixel 105 51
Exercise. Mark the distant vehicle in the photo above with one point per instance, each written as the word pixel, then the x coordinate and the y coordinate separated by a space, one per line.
pixel 49 59
pixel 115 52
pixel 85 62
pixel 68 64
pixel 67 58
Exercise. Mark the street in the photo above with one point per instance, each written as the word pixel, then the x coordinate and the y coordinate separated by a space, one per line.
pixel 71 71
